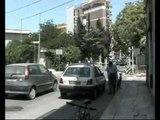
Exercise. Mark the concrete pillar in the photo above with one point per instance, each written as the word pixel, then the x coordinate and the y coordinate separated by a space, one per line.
pixel 42 59
pixel 129 58
pixel 132 60
pixel 120 55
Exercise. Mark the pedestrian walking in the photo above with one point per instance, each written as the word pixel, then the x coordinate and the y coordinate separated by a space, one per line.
pixel 112 77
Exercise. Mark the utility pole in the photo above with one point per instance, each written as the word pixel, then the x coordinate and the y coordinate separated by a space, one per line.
pixel 21 30
pixel 39 39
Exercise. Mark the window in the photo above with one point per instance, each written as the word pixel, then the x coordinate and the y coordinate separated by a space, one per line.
pixel 18 70
pixel 97 72
pixel 43 69
pixel 33 70
pixel 79 71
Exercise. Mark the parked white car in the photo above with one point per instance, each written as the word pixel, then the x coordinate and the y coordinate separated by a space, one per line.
pixel 82 78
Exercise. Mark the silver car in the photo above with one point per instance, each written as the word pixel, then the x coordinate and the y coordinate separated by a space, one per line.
pixel 82 78
pixel 28 79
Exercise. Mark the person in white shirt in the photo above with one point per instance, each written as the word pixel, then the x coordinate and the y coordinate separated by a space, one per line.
pixel 112 77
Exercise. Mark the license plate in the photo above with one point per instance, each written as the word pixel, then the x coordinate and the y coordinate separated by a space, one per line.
pixel 11 80
pixel 75 82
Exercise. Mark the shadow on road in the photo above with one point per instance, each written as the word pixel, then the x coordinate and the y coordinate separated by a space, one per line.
pixel 69 112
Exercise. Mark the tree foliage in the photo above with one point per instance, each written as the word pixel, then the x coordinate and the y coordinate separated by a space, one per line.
pixel 51 38
pixel 90 41
pixel 129 27
pixel 18 52
pixel 79 33
pixel 70 54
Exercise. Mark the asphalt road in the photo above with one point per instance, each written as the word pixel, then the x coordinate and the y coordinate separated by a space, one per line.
pixel 49 105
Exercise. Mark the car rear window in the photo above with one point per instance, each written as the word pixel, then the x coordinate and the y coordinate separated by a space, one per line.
pixel 15 70
pixel 78 71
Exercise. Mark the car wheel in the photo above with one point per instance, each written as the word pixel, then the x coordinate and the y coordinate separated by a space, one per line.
pixel 54 86
pixel 32 94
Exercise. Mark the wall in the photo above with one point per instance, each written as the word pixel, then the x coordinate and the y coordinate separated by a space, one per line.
pixel 70 19
pixel 150 9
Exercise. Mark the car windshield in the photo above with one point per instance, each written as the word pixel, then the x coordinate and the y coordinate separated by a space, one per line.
pixel 14 70
pixel 78 71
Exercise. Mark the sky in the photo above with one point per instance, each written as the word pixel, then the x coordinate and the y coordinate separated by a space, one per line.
pixel 18 19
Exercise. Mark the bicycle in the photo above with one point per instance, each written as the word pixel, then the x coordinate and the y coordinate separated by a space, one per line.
pixel 83 111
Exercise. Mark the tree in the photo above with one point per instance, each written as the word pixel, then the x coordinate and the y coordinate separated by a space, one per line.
pixel 18 52
pixel 51 38
pixel 79 33
pixel 70 54
pixel 101 33
pixel 129 28
pixel 54 38
pixel 92 43
pixel 99 25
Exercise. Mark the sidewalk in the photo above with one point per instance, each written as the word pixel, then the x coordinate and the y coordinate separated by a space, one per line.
pixel 132 101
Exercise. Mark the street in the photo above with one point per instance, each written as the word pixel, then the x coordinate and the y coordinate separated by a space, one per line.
pixel 49 105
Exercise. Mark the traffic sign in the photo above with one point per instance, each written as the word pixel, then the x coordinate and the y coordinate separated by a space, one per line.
pixel 59 51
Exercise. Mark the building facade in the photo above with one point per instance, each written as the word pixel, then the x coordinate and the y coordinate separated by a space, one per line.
pixel 91 11
pixel 62 27
pixel 150 15
pixel 15 34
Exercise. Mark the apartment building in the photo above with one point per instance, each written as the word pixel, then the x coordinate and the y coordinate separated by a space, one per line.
pixel 62 27
pixel 91 10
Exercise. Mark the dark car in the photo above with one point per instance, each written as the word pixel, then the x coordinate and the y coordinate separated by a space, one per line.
pixel 82 78
pixel 28 79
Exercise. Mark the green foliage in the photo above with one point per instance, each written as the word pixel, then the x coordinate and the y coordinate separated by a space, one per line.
pixel 79 34
pixel 90 42
pixel 129 28
pixel 18 52
pixel 93 42
pixel 52 37
pixel 99 25
pixel 70 54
